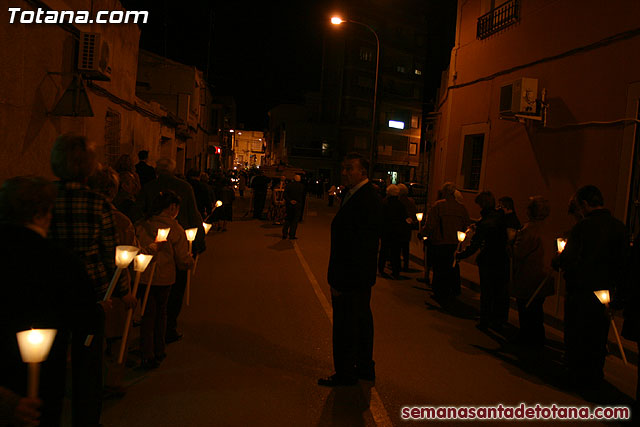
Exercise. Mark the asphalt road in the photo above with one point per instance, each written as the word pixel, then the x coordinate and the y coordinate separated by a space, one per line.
pixel 257 336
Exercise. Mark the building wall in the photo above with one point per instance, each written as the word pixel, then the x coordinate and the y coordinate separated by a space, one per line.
pixel 37 66
pixel 582 86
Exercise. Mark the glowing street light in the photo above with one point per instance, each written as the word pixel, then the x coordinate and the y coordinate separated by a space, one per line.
pixel 336 20
pixel 35 345
pixel 140 264
pixel 605 298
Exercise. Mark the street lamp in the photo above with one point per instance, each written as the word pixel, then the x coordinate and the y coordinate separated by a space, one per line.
pixel 336 20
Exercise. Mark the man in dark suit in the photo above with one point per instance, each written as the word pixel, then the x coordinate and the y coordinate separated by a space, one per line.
pixel 293 196
pixel 145 172
pixel 355 232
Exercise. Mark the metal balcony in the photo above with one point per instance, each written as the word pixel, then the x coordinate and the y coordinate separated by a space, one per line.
pixel 498 19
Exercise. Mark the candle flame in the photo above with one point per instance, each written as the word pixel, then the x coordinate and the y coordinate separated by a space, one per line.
pixel 162 234
pixel 219 203
pixel 419 215
pixel 207 227
pixel 603 296
pixel 35 337
pixel 461 236
pixel 561 244
pixel 191 234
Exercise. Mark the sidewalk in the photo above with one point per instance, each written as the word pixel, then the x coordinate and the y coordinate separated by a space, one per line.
pixel 553 309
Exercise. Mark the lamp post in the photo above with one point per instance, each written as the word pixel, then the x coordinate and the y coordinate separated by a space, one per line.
pixel 337 21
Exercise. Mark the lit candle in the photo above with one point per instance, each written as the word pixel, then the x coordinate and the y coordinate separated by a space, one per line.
pixel 35 345
pixel 419 215
pixel 605 298
pixel 561 244
pixel 461 236
pixel 140 264
pixel 162 234
pixel 191 236
pixel 124 256
pixel 218 203
pixel 207 227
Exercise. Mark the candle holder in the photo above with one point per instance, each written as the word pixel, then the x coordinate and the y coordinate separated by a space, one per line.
pixel 162 235
pixel 560 243
pixel 191 236
pixel 140 264
pixel 605 298
pixel 461 236
pixel 35 345
pixel 124 256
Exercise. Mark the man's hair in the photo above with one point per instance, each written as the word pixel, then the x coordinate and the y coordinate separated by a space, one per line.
pixel 448 190
pixel 486 200
pixel 507 202
pixel 165 166
pixel 73 158
pixel 22 198
pixel 538 208
pixel 297 178
pixel 364 163
pixel 393 190
pixel 124 164
pixel 163 200
pixel 105 181
pixel 591 195
pixel 143 154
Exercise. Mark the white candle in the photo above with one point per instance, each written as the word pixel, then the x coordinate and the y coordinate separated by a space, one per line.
pixel 162 234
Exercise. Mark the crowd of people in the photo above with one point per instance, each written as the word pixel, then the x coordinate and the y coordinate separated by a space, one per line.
pixel 58 254
pixel 71 228
pixel 512 264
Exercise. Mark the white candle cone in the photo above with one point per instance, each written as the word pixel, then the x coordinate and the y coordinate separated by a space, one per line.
pixel 603 296
pixel 218 203
pixel 140 264
pixel 561 243
pixel 461 236
pixel 35 345
pixel 146 292
pixel 419 216
pixel 206 227
pixel 191 234
pixel 162 235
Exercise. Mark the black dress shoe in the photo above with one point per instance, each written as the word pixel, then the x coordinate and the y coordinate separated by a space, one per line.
pixel 173 337
pixel 336 380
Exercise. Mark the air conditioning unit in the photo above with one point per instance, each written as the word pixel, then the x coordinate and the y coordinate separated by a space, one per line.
pixel 519 97
pixel 94 57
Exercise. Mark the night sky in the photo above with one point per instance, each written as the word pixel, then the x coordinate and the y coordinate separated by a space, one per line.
pixel 261 52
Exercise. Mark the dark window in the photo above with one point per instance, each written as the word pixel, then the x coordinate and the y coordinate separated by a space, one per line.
pixel 471 169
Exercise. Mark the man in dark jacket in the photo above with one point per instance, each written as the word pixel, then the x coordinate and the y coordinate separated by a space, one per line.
pixel 394 231
pixel 355 231
pixel 145 172
pixel 188 217
pixel 293 196
pixel 594 258
pixel 259 185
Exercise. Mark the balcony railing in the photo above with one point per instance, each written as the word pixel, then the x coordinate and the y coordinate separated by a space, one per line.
pixel 498 19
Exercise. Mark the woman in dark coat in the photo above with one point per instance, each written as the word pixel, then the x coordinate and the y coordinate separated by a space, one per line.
pixel 493 263
pixel 530 272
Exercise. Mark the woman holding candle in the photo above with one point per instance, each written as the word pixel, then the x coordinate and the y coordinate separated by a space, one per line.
pixel 174 253
pixel 529 273
pixel 490 239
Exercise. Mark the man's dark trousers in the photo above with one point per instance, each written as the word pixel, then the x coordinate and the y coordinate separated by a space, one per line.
pixel 352 333
pixel 291 222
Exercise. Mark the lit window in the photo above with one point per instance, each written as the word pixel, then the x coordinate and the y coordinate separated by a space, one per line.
pixel 396 125
pixel 415 121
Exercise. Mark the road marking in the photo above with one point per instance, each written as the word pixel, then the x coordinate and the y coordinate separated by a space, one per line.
pixel 378 412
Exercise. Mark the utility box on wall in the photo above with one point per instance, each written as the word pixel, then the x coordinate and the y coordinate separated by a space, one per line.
pixel 519 96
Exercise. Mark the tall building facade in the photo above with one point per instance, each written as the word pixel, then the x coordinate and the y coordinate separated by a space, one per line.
pixel 349 78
